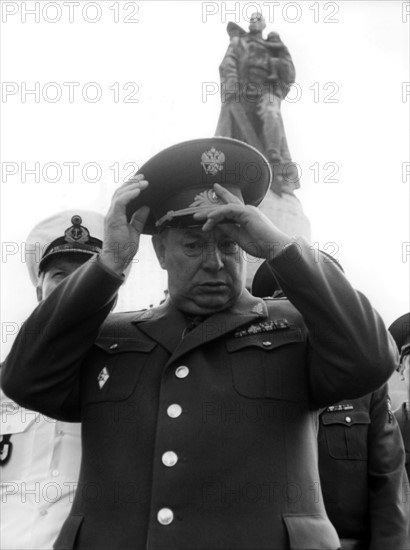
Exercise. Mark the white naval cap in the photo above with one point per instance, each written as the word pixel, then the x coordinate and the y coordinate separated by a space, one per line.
pixel 75 230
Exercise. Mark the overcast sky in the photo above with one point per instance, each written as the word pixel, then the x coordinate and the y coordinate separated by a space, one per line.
pixel 115 82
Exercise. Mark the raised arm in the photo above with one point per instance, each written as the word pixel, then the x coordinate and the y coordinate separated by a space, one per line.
pixel 351 352
pixel 42 371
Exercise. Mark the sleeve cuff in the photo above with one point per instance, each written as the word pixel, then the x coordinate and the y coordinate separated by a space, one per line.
pixel 108 270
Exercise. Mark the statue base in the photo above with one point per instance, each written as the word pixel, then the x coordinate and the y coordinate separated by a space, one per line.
pixel 287 214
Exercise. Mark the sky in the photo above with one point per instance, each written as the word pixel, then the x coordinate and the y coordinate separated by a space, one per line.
pixel 112 83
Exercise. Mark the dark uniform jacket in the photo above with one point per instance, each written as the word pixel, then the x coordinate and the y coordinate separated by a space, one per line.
pixel 245 440
pixel 361 466
pixel 403 419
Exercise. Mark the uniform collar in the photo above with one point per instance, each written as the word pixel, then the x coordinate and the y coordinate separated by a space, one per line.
pixel 165 324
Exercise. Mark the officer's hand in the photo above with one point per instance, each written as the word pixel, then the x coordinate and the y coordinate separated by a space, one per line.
pixel 121 238
pixel 245 224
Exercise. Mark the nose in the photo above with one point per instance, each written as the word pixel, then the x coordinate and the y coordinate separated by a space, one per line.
pixel 212 259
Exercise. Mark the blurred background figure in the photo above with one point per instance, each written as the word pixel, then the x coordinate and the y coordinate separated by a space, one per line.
pixel 361 460
pixel 400 330
pixel 40 456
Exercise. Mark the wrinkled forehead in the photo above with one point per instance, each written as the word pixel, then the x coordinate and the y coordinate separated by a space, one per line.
pixel 182 233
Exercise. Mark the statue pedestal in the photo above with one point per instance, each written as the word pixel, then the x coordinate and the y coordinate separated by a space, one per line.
pixel 287 214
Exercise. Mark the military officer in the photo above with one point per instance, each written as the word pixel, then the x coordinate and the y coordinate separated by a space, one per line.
pixel 40 457
pixel 199 416
pixel 361 461
pixel 400 330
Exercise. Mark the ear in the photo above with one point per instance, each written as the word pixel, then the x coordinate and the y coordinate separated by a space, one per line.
pixel 39 292
pixel 159 247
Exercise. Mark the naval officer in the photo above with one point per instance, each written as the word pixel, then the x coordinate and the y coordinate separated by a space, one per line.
pixel 40 456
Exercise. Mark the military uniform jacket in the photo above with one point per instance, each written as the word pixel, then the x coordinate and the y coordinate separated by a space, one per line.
pixel 217 425
pixel 361 465
pixel 403 419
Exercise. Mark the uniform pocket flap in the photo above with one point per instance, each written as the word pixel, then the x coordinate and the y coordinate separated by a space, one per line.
pixel 68 534
pixel 346 418
pixel 311 532
pixel 123 345
pixel 266 340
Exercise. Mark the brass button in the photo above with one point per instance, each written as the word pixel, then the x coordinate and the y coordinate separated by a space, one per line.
pixel 182 371
pixel 169 459
pixel 174 410
pixel 114 346
pixel 165 516
pixel 266 343
pixel 348 419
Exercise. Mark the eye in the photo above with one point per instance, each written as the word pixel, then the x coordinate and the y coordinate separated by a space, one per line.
pixel 228 247
pixel 193 248
pixel 58 275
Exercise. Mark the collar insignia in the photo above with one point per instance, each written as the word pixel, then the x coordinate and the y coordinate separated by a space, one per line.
pixel 265 326
pixel 212 161
pixel 77 233
pixel 103 377
pixel 258 309
pixel 338 408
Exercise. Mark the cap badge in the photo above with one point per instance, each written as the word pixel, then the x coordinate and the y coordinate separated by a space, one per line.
pixel 212 161
pixel 206 198
pixel 77 233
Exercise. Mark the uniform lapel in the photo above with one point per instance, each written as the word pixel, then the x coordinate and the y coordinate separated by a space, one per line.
pixel 245 311
pixel 164 324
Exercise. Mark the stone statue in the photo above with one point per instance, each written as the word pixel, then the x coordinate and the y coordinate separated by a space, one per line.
pixel 255 77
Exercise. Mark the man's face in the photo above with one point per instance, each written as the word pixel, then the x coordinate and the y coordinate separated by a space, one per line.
pixel 405 365
pixel 256 23
pixel 205 270
pixel 56 269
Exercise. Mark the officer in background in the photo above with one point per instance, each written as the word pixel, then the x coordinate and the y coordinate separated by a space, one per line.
pixel 361 460
pixel 40 457
pixel 400 330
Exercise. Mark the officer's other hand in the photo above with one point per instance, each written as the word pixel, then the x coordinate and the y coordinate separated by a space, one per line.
pixel 245 224
pixel 121 238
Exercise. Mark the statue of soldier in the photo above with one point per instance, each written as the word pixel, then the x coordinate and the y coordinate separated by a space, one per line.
pixel 255 77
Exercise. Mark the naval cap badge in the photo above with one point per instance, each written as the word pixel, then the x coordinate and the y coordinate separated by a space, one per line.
pixel 212 161
pixel 77 233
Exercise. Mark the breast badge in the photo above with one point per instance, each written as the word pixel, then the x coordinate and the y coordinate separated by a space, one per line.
pixel 103 377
